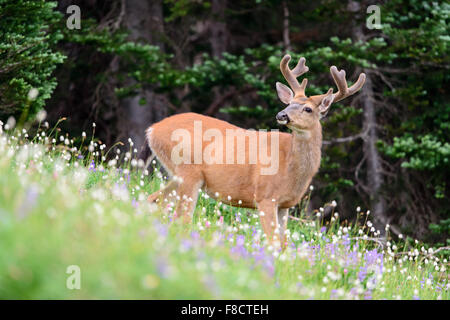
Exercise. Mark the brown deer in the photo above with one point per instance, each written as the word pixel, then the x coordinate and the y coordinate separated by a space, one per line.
pixel 243 184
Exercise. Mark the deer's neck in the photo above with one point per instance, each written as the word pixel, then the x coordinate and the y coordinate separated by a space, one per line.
pixel 305 153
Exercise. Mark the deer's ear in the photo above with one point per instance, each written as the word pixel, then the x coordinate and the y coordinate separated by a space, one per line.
pixel 284 93
pixel 325 104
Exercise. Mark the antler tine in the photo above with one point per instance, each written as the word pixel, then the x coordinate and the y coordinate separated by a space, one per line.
pixel 343 90
pixel 291 75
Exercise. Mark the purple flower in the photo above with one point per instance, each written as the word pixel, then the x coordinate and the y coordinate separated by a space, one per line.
pixel 195 235
pixel 161 229
pixel 362 273
pixel 27 205
pixel 240 240
pixel 92 166
pixel 239 248
pixel 186 244
pixel 162 267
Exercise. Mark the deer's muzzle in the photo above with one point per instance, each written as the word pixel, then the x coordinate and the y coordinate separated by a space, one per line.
pixel 282 117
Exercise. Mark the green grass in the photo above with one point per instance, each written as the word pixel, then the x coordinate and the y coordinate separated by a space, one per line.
pixel 57 210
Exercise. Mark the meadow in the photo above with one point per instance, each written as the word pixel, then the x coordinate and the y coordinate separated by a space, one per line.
pixel 76 202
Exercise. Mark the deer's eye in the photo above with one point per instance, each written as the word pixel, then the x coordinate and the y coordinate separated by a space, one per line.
pixel 307 109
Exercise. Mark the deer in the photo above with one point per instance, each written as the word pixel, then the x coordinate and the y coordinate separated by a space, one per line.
pixel 242 184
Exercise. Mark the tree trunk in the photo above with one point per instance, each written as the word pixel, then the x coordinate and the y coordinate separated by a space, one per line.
pixel 286 37
pixel 218 39
pixel 144 21
pixel 373 162
pixel 374 177
pixel 218 27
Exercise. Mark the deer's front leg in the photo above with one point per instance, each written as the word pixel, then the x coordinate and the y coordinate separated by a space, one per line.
pixel 268 214
pixel 283 216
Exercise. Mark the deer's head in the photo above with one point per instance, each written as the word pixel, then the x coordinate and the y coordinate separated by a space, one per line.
pixel 302 112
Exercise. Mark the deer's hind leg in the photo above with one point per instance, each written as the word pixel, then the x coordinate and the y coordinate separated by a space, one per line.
pixel 187 194
pixel 164 192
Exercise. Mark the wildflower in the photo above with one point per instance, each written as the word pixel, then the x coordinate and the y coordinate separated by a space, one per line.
pixel 32 94
pixel 41 115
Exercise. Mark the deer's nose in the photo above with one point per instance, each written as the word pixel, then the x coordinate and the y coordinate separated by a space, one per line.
pixel 282 117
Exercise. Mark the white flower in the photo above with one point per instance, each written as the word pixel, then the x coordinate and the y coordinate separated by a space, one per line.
pixel 41 115
pixel 10 123
pixel 32 94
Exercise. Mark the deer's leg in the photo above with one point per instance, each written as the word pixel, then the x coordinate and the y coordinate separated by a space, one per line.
pixel 188 193
pixel 163 193
pixel 268 214
pixel 283 216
